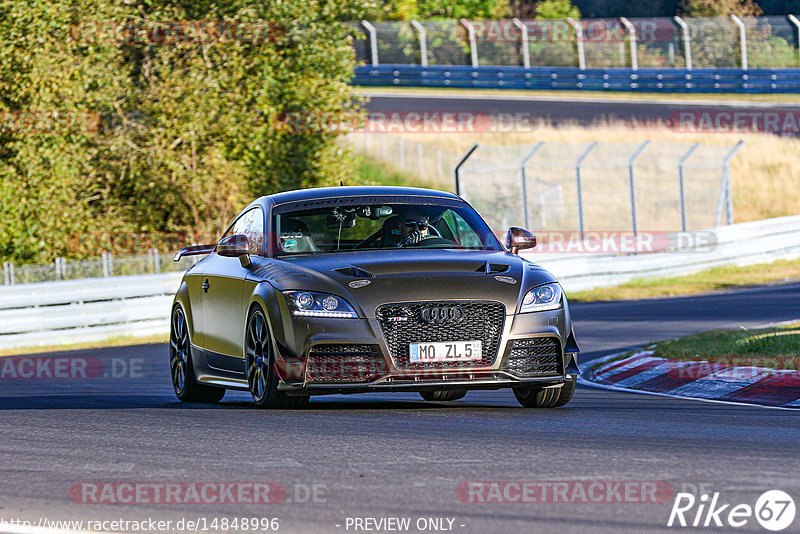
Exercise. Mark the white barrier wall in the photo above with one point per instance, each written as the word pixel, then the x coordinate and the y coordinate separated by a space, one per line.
pixel 738 244
pixel 93 309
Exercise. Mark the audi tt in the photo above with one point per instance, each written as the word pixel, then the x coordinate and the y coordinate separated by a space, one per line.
pixel 369 289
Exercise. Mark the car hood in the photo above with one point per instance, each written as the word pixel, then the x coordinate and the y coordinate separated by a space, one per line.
pixel 407 276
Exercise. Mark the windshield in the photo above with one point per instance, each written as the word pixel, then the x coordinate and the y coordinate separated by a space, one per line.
pixel 345 228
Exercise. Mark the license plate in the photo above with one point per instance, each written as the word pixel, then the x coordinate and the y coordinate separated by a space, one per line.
pixel 447 351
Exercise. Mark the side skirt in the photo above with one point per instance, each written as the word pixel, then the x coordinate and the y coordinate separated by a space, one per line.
pixel 207 371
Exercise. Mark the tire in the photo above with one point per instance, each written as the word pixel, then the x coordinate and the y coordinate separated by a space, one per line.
pixel 443 394
pixel 184 382
pixel 567 391
pixel 259 360
pixel 538 397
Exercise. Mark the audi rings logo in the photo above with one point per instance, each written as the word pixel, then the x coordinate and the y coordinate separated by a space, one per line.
pixel 442 314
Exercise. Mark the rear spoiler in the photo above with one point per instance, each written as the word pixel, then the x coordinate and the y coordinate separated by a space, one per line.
pixel 194 250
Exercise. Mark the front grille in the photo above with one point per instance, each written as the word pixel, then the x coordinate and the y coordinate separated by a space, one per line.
pixel 344 363
pixel 539 356
pixel 402 324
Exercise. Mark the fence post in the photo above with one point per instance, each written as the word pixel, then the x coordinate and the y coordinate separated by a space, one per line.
pixel 473 42
pixel 579 41
pixel 463 160
pixel 156 260
pixel 383 147
pixel 579 184
pixel 632 184
pixel 59 268
pixel 423 44
pixel 526 52
pixel 524 176
pixel 105 259
pixel 726 176
pixel 439 169
pixel 687 41
pixel 632 32
pixel 401 152
pixel 681 184
pixel 8 273
pixel 373 42
pixel 742 39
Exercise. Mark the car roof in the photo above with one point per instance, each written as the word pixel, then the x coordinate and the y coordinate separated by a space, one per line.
pixel 351 191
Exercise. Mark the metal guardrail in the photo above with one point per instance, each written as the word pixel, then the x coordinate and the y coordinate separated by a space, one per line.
pixel 63 312
pixel 732 80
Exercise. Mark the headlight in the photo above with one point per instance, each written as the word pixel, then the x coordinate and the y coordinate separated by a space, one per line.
pixel 314 304
pixel 542 298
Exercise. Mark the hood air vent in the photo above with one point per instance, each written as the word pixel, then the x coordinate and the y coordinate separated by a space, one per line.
pixel 355 272
pixel 493 268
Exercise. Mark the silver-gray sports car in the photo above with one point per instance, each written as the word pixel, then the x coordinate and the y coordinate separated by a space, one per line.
pixel 364 289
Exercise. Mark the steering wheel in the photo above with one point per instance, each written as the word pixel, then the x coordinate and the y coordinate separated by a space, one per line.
pixel 407 240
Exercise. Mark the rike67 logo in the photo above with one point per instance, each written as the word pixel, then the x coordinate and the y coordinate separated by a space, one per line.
pixel 774 510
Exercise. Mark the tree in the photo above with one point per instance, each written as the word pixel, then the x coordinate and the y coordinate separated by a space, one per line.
pixel 446 9
pixel 190 129
pixel 716 8
pixel 556 9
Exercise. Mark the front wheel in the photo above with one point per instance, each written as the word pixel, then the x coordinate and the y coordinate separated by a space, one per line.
pixel 186 387
pixel 539 397
pixel 443 394
pixel 259 359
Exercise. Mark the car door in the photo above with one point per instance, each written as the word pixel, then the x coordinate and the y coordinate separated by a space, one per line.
pixel 224 303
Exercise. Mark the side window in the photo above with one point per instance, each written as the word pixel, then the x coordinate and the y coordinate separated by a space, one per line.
pixel 250 224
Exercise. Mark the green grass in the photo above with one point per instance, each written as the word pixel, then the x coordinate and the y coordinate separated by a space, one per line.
pixel 588 95
pixel 717 279
pixel 775 348
pixel 121 341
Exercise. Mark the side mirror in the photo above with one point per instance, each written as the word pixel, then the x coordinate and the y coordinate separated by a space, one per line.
pixel 235 246
pixel 518 239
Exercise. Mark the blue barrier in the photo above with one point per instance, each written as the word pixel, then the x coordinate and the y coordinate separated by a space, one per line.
pixel 567 78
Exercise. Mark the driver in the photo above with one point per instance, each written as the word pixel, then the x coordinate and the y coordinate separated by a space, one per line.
pixel 408 228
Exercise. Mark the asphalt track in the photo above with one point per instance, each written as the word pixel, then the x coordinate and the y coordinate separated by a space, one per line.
pixel 556 110
pixel 393 455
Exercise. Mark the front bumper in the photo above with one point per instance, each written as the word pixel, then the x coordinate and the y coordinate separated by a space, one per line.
pixel 302 335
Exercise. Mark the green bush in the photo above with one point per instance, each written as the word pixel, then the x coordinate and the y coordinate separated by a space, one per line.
pixel 190 129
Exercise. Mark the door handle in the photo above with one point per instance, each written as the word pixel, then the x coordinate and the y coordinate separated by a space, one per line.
pixel 205 286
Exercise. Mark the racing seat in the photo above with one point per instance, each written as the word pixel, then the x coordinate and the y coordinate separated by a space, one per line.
pixel 297 231
pixel 391 235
